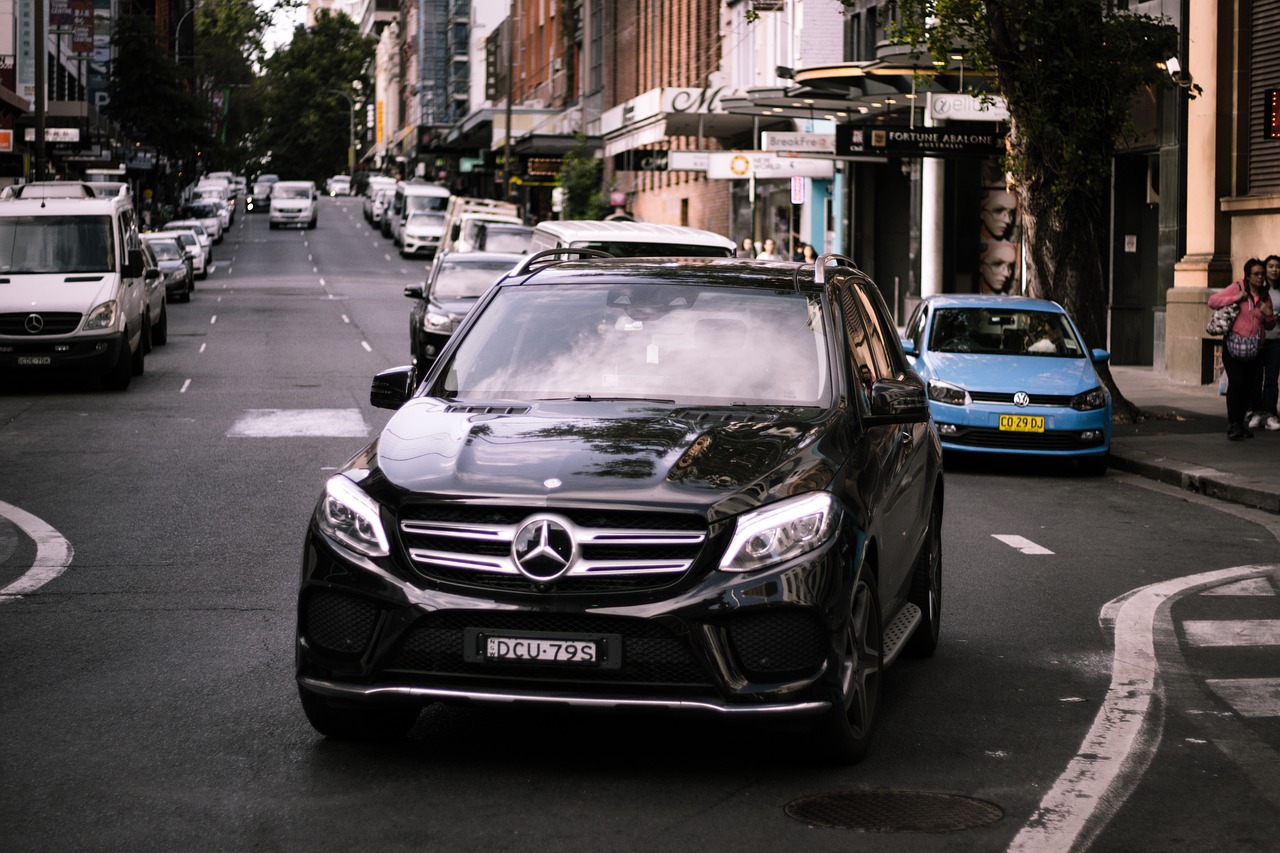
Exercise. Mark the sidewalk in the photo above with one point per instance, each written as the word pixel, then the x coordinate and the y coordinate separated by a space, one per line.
pixel 1185 443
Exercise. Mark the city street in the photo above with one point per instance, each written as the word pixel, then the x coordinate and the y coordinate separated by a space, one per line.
pixel 1106 676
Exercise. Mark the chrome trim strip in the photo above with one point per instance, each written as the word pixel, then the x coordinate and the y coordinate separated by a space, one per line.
pixel 507 566
pixel 439 694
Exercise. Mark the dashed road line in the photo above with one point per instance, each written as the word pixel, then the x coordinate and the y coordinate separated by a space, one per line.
pixel 1021 543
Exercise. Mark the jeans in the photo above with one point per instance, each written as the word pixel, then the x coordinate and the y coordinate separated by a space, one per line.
pixel 1244 386
pixel 1270 374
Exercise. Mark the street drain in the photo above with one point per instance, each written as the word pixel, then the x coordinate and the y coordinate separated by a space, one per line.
pixel 894 811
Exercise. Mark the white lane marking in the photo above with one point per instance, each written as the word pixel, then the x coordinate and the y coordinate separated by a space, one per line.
pixel 1232 632
pixel 213 319
pixel 346 319
pixel 322 284
pixel 53 553
pixel 185 386
pixel 310 258
pixel 1255 586
pixel 366 346
pixel 1250 697
pixel 202 346
pixel 1021 543
pixel 291 423
pixel 1125 733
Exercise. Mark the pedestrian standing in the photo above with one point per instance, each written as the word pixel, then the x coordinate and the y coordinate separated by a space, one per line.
pixel 1241 350
pixel 747 249
pixel 1268 416
pixel 769 251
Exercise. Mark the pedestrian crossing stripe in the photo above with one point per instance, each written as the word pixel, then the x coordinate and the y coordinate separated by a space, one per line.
pixel 295 423
pixel 1232 632
pixel 1249 697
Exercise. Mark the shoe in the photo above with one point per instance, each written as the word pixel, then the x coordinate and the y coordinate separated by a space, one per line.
pixel 1235 432
pixel 1254 421
pixel 1273 423
pixel 1248 433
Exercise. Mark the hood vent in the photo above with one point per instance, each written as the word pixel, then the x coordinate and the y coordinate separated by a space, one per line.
pixel 80 278
pixel 487 410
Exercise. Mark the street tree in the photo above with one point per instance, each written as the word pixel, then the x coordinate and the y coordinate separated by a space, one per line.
pixel 579 177
pixel 306 131
pixel 1069 71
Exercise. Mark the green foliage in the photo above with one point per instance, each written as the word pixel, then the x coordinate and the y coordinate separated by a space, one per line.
pixel 147 98
pixel 580 177
pixel 306 126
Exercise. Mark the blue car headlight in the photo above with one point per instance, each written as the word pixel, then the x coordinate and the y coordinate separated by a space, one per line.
pixel 1094 398
pixel 782 531
pixel 347 513
pixel 945 392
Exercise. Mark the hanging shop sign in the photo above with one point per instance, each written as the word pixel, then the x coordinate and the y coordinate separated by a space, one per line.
pixel 642 161
pixel 949 107
pixel 856 141
pixel 764 165
pixel 800 143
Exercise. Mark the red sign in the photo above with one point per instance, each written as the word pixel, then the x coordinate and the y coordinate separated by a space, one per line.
pixel 82 26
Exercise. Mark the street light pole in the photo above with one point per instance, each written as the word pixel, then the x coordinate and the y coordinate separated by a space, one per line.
pixel 351 131
pixel 177 33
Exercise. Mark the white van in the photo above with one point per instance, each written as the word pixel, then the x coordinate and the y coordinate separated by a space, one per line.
pixel 630 239
pixel 292 203
pixel 73 287
pixel 411 197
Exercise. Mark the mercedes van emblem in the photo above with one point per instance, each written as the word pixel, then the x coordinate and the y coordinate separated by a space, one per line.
pixel 33 324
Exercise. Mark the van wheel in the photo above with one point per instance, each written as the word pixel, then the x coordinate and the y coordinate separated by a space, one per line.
pixel 148 343
pixel 160 335
pixel 118 377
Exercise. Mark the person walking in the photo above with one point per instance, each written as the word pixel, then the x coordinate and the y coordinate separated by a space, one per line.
pixel 1240 350
pixel 1268 416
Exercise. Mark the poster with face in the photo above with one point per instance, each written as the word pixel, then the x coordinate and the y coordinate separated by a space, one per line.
pixel 999 241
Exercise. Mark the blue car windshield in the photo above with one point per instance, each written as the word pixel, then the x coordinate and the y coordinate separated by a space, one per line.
pixel 1004 331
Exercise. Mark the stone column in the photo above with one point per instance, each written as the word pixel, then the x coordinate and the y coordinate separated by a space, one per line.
pixel 1210 120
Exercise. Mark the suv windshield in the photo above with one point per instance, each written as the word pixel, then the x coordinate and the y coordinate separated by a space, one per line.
pixel 681 342
pixel 60 244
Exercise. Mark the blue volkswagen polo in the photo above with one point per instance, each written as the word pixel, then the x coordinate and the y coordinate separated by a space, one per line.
pixel 1011 374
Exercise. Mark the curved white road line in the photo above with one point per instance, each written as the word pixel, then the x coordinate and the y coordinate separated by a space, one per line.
pixel 1127 729
pixel 53 553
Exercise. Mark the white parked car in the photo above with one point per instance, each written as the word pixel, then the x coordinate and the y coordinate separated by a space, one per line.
pixel 205 238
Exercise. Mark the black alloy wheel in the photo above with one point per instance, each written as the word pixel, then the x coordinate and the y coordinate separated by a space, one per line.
pixel 844 733
pixel 926 587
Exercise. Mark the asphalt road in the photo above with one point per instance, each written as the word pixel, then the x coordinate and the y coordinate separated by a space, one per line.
pixel 149 549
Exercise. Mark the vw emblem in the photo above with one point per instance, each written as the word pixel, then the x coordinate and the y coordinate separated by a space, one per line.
pixel 544 548
pixel 1022 399
pixel 33 324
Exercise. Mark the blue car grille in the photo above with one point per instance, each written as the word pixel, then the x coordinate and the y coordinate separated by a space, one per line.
pixel 980 437
pixel 1007 399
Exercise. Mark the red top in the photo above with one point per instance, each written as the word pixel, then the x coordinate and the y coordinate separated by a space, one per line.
pixel 1252 322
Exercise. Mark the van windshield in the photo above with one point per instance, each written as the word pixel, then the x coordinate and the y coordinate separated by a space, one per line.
pixel 56 244
pixel 628 249
pixel 425 202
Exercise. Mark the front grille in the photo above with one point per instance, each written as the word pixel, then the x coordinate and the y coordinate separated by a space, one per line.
pixel 1056 400
pixel 651 655
pixel 773 644
pixel 339 623
pixel 55 323
pixel 980 437
pixel 617 550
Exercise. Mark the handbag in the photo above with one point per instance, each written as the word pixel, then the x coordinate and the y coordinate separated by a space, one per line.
pixel 1222 319
pixel 1243 349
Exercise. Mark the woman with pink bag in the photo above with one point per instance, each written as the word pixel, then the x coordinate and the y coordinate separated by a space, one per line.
pixel 1240 351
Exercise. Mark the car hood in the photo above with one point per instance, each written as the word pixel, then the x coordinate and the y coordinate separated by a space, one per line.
pixel 423 230
pixel 586 451
pixel 455 307
pixel 1009 373
pixel 35 293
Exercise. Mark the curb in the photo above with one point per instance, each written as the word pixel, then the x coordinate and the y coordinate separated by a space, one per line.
pixel 1198 478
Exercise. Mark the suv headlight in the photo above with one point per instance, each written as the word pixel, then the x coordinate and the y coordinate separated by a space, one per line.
pixel 1094 398
pixel 782 531
pixel 102 317
pixel 945 392
pixel 349 515
pixel 437 322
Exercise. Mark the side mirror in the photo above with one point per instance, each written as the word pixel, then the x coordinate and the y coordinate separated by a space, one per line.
pixel 133 264
pixel 908 346
pixel 391 387
pixel 151 274
pixel 414 291
pixel 1100 356
pixel 898 401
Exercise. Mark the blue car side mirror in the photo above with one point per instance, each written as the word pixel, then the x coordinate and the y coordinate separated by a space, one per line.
pixel 1100 356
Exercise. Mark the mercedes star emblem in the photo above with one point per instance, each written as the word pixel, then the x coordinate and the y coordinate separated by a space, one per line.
pixel 33 324
pixel 543 548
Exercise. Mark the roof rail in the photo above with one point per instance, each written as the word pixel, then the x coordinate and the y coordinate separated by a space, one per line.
pixel 549 256
pixel 823 261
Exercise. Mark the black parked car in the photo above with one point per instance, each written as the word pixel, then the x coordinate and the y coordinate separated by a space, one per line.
pixel 697 485
pixel 456 281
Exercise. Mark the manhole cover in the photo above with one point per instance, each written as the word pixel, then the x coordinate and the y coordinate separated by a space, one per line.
pixel 894 811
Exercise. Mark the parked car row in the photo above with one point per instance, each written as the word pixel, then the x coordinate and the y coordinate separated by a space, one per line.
pixel 86 292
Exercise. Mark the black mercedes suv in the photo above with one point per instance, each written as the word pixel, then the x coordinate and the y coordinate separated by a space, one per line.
pixel 690 484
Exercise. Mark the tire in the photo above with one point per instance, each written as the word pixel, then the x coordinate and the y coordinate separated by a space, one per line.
pixel 160 334
pixel 1094 466
pixel 926 589
pixel 119 376
pixel 376 722
pixel 148 342
pixel 844 733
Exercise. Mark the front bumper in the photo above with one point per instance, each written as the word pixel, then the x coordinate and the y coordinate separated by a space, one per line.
pixel 760 643
pixel 1067 432
pixel 88 355
pixel 412 244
